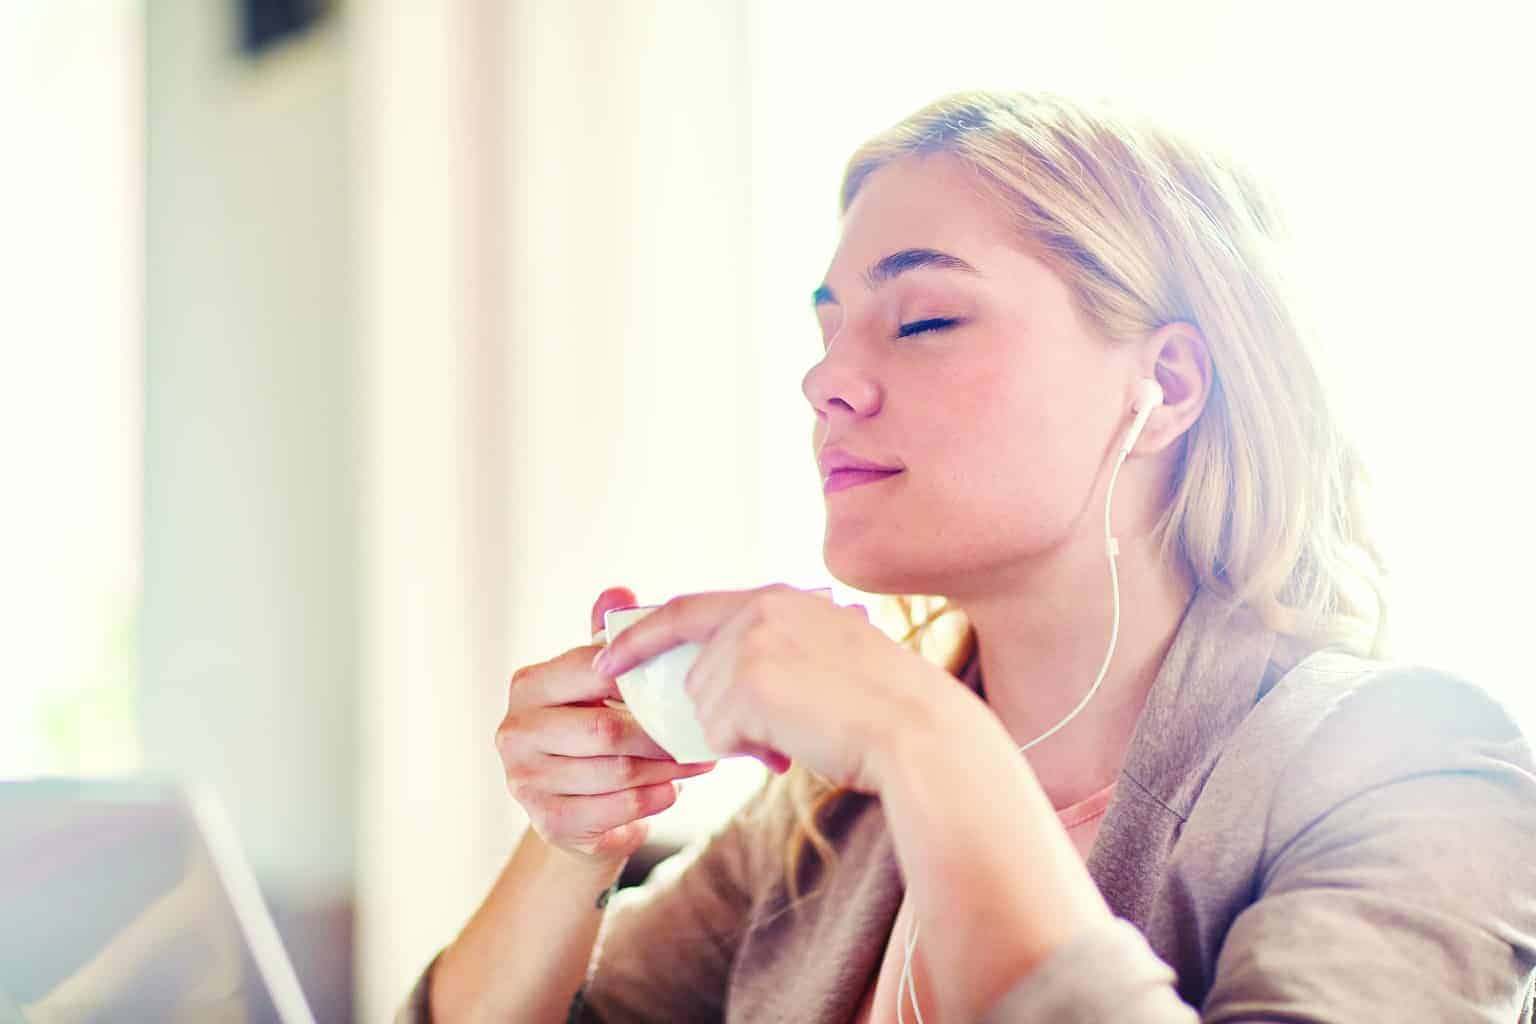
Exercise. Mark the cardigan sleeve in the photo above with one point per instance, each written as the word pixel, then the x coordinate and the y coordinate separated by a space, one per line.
pixel 1107 973
pixel 1400 876
pixel 1398 881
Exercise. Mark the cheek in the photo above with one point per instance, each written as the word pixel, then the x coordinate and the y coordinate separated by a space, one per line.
pixel 1014 459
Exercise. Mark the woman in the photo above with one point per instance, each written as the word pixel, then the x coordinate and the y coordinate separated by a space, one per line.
pixel 1227 809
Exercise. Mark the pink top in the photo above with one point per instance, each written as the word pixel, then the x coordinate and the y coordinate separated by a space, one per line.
pixel 1088 808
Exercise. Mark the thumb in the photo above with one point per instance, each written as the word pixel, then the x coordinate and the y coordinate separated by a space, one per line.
pixel 613 597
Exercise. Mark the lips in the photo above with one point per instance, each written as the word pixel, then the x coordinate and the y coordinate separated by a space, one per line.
pixel 841 469
pixel 842 479
pixel 832 458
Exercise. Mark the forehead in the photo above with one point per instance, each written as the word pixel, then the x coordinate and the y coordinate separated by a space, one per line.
pixel 933 201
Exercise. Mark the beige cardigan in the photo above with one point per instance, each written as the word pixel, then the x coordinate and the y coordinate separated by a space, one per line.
pixel 1332 839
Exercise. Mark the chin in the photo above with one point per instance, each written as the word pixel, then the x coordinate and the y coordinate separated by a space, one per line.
pixel 881 573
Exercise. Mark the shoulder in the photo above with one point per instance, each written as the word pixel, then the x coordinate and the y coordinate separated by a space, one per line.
pixel 1381 718
pixel 1363 709
pixel 1336 727
pixel 1365 846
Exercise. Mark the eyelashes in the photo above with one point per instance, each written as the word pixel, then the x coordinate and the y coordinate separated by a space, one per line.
pixel 938 323
pixel 923 326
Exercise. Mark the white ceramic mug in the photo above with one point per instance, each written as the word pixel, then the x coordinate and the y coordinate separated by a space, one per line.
pixel 653 690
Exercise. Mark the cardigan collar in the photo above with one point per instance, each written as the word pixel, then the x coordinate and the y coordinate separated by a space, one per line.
pixel 1216 669
pixel 1223 659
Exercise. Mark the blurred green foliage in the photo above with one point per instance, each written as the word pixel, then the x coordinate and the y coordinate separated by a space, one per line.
pixel 92 728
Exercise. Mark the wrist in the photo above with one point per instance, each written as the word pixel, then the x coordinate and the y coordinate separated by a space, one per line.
pixel 946 718
pixel 580 867
pixel 489 970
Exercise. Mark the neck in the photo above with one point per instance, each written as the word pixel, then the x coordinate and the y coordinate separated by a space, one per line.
pixel 1042 639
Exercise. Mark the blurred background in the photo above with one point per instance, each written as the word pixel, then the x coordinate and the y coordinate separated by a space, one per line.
pixel 353 348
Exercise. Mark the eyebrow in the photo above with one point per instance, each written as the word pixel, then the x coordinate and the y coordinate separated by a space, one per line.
pixel 895 264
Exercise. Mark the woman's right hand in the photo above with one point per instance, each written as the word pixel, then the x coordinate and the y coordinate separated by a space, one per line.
pixel 586 774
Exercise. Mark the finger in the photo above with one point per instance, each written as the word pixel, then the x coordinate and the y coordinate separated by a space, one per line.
pixel 710 669
pixel 710 679
pixel 590 776
pixel 579 816
pixel 775 761
pixel 618 842
pixel 685 619
pixel 567 679
pixel 590 732
pixel 613 597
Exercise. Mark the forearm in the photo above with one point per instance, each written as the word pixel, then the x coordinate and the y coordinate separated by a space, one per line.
pixel 983 854
pixel 524 953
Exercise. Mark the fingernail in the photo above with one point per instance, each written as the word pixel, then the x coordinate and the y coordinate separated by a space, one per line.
pixel 599 662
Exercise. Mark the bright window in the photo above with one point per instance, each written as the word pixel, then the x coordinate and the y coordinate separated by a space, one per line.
pixel 71 105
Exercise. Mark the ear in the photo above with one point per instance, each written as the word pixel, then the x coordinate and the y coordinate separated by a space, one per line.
pixel 1178 359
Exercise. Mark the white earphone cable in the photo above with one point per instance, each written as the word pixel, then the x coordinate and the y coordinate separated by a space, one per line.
pixel 1112 549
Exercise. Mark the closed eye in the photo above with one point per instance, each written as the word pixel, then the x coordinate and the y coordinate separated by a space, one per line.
pixel 920 326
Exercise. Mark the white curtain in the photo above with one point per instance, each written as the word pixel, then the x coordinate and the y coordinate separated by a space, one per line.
pixel 71 309
pixel 560 391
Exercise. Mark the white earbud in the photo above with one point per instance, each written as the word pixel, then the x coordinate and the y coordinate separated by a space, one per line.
pixel 1149 395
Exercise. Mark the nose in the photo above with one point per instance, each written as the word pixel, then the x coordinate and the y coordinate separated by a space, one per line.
pixel 838 383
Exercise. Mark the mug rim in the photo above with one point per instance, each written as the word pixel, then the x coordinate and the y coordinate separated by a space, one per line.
pixel 637 607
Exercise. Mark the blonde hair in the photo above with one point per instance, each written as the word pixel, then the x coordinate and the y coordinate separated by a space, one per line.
pixel 1146 229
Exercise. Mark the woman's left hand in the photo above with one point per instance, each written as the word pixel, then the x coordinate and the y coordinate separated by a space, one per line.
pixel 784 674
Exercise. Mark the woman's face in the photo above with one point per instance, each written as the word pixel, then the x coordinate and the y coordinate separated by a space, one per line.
pixel 953 353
